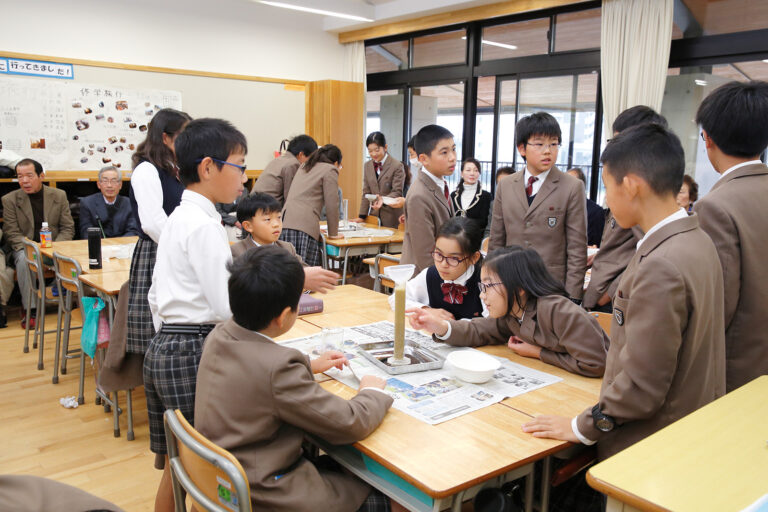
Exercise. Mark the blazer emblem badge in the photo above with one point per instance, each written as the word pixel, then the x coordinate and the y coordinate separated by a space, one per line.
pixel 618 315
pixel 551 221
pixel 613 223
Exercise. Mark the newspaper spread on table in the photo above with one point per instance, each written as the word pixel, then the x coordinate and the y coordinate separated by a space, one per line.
pixel 432 396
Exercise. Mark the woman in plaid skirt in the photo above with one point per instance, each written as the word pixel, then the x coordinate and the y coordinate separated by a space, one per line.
pixel 155 192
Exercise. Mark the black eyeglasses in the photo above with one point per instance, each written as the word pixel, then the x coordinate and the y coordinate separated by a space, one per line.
pixel 224 162
pixel 485 286
pixel 452 261
pixel 538 146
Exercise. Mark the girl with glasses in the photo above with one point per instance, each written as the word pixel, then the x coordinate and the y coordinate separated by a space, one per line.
pixel 449 287
pixel 529 311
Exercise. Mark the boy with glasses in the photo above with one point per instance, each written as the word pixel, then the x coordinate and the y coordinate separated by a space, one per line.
pixel 107 209
pixel 543 208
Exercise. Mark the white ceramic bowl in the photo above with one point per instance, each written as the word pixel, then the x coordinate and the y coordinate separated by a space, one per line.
pixel 472 365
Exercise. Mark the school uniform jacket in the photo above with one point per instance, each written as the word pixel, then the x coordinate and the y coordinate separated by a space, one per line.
pixel 389 183
pixel 310 191
pixel 735 216
pixel 478 209
pixel 617 248
pixel 277 176
pixel 19 221
pixel 667 354
pixel 241 247
pixel 426 209
pixel 555 224
pixel 258 400
pixel 569 337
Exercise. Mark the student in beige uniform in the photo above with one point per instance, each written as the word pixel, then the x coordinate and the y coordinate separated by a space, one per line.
pixel 428 203
pixel 316 185
pixel 530 312
pixel 383 176
pixel 735 215
pixel 261 218
pixel 277 176
pixel 259 400
pixel 618 244
pixel 543 208
pixel 667 353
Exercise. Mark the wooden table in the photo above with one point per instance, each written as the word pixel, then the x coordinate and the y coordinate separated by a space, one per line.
pixel 713 459
pixel 362 246
pixel 78 250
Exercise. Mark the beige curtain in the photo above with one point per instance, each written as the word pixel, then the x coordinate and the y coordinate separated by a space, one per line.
pixel 634 54
pixel 354 62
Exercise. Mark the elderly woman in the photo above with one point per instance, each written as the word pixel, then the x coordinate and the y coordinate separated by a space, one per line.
pixel 688 194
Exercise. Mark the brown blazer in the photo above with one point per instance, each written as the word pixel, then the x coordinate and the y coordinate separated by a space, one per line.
pixel 277 176
pixel 616 249
pixel 735 216
pixel 310 191
pixel 389 183
pixel 426 209
pixel 667 354
pixel 569 337
pixel 27 493
pixel 555 224
pixel 18 221
pixel 241 247
pixel 259 400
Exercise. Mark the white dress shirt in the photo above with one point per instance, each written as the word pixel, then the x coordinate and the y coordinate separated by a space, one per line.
pixel 189 283
pixel 737 166
pixel 439 181
pixel 536 184
pixel 9 158
pixel 145 182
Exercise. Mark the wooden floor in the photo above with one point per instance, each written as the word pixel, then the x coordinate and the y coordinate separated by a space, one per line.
pixel 74 446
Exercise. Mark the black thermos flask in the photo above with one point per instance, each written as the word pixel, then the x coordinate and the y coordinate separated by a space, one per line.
pixel 94 248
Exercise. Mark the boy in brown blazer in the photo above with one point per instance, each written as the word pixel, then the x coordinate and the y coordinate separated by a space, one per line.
pixel 618 244
pixel 667 353
pixel 383 176
pixel 277 176
pixel 543 208
pixel 260 216
pixel 259 399
pixel 428 203
pixel 735 215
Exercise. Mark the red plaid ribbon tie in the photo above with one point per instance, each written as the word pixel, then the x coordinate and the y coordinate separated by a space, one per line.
pixel 453 293
pixel 377 168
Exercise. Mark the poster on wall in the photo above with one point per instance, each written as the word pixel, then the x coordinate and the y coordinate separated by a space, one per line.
pixel 76 126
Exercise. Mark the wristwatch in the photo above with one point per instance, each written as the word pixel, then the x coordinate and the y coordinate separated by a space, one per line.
pixel 603 422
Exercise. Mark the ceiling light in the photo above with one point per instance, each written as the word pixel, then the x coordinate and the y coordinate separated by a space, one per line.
pixel 700 82
pixel 315 11
pixel 494 43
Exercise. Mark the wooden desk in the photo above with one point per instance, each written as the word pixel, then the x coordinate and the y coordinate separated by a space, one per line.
pixel 75 248
pixel 713 459
pixel 362 246
pixel 350 305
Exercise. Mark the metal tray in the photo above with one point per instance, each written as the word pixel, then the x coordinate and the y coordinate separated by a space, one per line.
pixel 421 358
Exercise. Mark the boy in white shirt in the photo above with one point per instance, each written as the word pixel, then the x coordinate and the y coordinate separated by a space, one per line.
pixel 189 296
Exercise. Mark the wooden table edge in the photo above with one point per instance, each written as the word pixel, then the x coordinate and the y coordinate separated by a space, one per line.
pixel 625 497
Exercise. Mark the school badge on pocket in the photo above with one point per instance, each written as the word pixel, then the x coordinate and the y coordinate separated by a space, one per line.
pixel 551 221
pixel 618 315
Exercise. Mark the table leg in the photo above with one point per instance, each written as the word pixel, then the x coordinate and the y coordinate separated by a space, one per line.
pixel 344 272
pixel 546 476
pixel 614 505
pixel 529 493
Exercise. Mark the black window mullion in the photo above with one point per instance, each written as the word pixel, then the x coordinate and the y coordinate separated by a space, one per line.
pixel 594 181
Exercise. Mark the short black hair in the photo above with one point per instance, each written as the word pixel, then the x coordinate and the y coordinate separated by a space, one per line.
pixel 262 283
pixel 257 202
pixel 411 144
pixel 650 151
pixel 467 232
pixel 377 138
pixel 425 141
pixel 505 171
pixel 519 270
pixel 693 188
pixel 302 144
pixel 29 161
pixel 206 137
pixel 579 174
pixel 637 115
pixel 735 117
pixel 539 123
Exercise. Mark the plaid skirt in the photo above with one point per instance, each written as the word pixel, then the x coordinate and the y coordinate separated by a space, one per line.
pixel 170 380
pixel 306 246
pixel 140 329
pixel 375 502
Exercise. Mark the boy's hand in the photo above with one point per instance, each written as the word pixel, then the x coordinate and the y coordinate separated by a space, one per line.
pixel 337 237
pixel 371 381
pixel 523 348
pixel 605 299
pixel 328 360
pixel 378 203
pixel 398 202
pixel 317 279
pixel 441 313
pixel 428 320
pixel 551 427
pixel 401 219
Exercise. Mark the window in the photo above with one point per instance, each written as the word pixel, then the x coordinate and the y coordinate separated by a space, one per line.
pixel 385 114
pixel 577 30
pixel 708 17
pixel 386 57
pixel 439 49
pixel 486 92
pixel 515 39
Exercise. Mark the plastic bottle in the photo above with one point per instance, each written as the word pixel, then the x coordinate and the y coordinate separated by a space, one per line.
pixel 46 240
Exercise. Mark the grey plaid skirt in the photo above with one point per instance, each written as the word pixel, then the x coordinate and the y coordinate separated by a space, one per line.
pixel 140 329
pixel 306 246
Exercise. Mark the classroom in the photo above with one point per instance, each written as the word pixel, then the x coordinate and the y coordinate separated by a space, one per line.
pixel 467 255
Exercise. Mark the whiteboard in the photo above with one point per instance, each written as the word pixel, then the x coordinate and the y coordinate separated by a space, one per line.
pixel 265 112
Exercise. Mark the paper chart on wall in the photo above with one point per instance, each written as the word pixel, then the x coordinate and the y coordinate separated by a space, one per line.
pixel 77 126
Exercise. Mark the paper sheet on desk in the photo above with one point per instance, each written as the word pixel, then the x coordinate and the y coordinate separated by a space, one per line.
pixel 433 396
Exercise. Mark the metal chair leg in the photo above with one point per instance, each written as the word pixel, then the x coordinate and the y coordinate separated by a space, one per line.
pixel 56 354
pixel 80 395
pixel 116 415
pixel 40 328
pixel 26 326
pixel 130 435
pixel 67 324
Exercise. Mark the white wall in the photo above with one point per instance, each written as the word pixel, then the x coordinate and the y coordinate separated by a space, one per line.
pixel 229 36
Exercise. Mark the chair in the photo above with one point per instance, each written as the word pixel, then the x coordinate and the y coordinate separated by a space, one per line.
pixel 401 226
pixel 212 476
pixel 604 319
pixel 42 296
pixel 383 261
pixel 372 219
